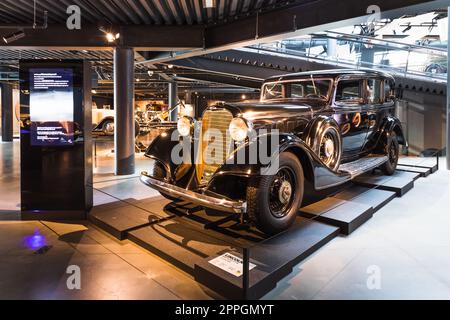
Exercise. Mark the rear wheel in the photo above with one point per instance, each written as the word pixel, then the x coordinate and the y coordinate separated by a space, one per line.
pixel 392 150
pixel 273 201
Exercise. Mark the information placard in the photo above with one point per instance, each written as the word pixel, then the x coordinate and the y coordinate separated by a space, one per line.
pixel 231 264
pixel 51 106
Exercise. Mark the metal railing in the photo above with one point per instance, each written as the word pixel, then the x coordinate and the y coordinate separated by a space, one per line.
pixel 400 59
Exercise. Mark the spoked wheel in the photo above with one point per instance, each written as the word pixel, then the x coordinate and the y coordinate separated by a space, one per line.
pixel 281 192
pixel 273 201
pixel 330 148
pixel 392 150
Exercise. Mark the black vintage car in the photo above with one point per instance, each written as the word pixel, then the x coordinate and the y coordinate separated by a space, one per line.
pixel 329 127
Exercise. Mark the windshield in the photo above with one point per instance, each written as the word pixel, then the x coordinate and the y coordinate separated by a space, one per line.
pixel 297 89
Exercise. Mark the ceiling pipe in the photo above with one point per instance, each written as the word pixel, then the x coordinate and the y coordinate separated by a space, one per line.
pixel 33 26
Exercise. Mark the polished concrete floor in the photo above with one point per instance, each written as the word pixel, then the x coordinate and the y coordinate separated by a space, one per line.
pixel 403 252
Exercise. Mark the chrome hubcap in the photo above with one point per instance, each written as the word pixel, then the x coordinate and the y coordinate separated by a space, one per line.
pixel 329 148
pixel 285 192
pixel 328 152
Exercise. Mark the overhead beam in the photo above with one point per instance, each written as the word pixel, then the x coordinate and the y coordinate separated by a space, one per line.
pixel 139 37
pixel 229 69
pixel 223 79
pixel 296 20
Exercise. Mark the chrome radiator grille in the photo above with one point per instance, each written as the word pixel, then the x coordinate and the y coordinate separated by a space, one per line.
pixel 216 143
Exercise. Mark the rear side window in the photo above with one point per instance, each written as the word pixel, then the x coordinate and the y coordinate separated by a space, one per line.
pixel 349 91
pixel 388 91
pixel 374 91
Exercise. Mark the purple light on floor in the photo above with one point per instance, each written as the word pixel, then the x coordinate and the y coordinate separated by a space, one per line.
pixel 36 241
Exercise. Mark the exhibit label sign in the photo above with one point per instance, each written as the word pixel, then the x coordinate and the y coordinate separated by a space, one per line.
pixel 51 106
pixel 231 264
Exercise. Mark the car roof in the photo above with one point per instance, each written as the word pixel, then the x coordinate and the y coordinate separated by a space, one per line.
pixel 332 73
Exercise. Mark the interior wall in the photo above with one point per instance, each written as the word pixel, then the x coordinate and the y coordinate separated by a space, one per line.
pixel 423 118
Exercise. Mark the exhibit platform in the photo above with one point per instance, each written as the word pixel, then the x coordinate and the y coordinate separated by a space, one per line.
pixel 238 261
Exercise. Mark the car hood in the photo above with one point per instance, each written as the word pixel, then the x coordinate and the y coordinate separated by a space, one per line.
pixel 264 113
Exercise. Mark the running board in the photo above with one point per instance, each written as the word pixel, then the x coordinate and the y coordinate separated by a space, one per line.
pixel 360 166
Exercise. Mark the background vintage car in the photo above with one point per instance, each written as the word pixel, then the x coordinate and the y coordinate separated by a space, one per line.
pixel 333 126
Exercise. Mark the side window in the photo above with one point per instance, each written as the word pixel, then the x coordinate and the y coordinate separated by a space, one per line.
pixel 374 91
pixel 349 91
pixel 297 90
pixel 273 91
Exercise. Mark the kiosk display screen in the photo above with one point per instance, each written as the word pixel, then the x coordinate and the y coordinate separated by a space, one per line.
pixel 51 106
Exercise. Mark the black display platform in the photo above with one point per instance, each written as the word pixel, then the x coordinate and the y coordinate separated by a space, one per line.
pixel 400 182
pixel 422 171
pixel 431 163
pixel 120 217
pixel 349 208
pixel 189 237
pixel 274 259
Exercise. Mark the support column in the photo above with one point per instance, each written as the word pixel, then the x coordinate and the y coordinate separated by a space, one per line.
pixel 447 142
pixel 173 100
pixel 124 135
pixel 7 112
pixel 332 48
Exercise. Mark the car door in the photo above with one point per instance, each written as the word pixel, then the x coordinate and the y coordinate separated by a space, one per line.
pixel 349 108
pixel 375 103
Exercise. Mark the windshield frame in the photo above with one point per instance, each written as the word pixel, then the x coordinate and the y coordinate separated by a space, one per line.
pixel 262 99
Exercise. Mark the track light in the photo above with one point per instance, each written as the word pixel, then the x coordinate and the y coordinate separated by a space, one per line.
pixel 14 36
pixel 110 36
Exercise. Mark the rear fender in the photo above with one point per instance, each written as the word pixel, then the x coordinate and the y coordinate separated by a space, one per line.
pixel 390 125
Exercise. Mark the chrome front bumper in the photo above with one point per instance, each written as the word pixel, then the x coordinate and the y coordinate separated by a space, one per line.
pixel 194 197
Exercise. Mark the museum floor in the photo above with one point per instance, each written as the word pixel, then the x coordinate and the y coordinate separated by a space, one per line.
pixel 407 241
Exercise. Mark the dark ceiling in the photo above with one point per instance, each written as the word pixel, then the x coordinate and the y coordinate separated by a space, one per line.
pixel 149 12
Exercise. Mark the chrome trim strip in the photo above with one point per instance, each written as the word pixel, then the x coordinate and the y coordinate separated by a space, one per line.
pixel 194 197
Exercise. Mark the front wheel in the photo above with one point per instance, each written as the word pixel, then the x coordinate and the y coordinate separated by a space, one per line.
pixel 273 201
pixel 392 150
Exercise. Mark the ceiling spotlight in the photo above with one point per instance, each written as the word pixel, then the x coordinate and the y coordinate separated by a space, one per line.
pixel 137 80
pixel 14 36
pixel 150 73
pixel 244 97
pixel 94 91
pixel 170 66
pixel 110 36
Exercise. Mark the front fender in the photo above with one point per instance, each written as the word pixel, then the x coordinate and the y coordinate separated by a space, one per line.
pixel 314 169
pixel 160 150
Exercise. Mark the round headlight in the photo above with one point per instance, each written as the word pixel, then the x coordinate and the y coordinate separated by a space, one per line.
pixel 184 125
pixel 238 129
